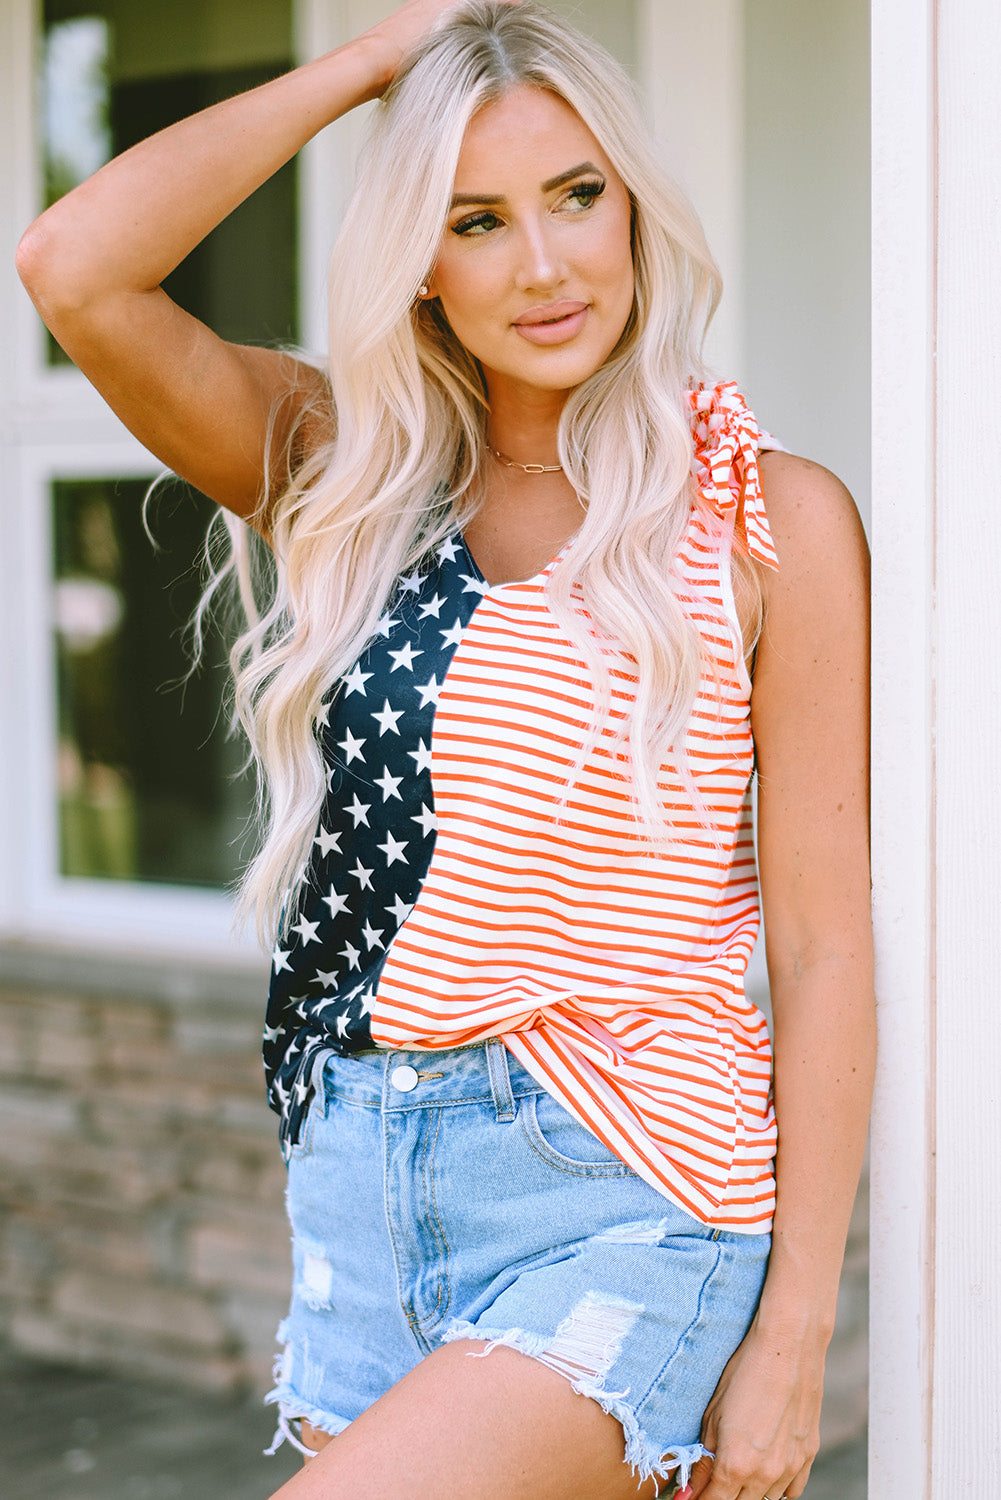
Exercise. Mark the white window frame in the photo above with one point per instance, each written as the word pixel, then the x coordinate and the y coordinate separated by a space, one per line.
pixel 54 425
pixel 53 904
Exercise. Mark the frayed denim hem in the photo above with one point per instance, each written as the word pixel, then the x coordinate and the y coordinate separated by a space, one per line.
pixel 644 1459
pixel 291 1408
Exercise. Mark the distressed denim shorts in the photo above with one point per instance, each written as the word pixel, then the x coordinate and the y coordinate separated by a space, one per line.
pixel 445 1195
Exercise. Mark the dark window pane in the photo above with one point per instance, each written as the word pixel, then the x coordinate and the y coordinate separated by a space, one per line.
pixel 149 782
pixel 115 71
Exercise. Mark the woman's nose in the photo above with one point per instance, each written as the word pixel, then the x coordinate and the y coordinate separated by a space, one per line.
pixel 540 264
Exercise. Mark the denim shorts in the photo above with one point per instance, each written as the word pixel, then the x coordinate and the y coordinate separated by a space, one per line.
pixel 446 1195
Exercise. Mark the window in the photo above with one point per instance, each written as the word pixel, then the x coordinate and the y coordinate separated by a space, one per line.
pixel 124 799
pixel 116 71
pixel 149 784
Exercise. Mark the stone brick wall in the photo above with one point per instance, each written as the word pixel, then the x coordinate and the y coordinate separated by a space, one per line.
pixel 141 1217
pixel 141 1188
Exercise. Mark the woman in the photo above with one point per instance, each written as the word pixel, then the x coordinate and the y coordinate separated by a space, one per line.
pixel 525 1103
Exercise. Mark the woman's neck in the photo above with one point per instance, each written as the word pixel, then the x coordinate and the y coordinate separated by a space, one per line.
pixel 525 425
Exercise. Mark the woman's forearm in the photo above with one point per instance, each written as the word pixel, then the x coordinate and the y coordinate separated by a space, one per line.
pixel 129 225
pixel 825 1043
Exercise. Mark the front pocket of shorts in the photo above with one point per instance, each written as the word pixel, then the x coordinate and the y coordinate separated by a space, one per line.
pixel 564 1142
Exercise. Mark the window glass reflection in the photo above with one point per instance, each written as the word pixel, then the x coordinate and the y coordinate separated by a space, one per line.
pixel 149 784
pixel 75 101
pixel 116 71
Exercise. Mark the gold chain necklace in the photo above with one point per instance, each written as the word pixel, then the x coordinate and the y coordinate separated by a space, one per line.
pixel 512 463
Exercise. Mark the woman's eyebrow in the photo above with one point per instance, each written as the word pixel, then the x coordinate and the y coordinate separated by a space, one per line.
pixel 564 177
pixel 488 199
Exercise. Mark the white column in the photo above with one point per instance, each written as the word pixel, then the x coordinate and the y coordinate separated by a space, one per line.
pixel 902 1182
pixel 936 1325
pixel 966 1427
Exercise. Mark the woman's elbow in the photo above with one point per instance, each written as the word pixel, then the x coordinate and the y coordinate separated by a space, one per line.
pixel 46 270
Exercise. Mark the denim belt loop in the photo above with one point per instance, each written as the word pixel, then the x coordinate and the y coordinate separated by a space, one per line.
pixel 316 1071
pixel 500 1078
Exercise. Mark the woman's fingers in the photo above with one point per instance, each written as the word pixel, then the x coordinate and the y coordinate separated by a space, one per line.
pixel 748 1474
pixel 796 1486
pixel 735 1481
pixel 406 26
pixel 701 1475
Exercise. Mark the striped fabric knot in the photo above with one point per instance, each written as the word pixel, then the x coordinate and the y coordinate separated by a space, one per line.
pixel 725 470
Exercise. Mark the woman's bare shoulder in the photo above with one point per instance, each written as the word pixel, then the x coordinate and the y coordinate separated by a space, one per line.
pixel 814 521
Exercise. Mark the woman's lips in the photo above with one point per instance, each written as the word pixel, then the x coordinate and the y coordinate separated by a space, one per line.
pixel 552 322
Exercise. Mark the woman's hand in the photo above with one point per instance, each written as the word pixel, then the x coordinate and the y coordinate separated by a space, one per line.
pixel 394 37
pixel 763 1421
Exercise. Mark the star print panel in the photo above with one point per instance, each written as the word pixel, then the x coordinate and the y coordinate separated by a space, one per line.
pixel 376 830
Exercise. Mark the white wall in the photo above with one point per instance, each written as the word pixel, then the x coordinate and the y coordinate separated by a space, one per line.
pixel 807 226
pixel 966 1084
pixel 903 1171
pixel 691 67
pixel 761 110
pixel 613 23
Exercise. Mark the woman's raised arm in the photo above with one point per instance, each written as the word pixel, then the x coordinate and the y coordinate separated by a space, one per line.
pixel 93 264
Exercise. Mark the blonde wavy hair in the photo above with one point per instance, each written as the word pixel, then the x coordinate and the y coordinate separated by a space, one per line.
pixel 407 421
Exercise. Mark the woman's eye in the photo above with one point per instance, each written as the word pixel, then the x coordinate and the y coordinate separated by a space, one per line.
pixel 585 193
pixel 476 224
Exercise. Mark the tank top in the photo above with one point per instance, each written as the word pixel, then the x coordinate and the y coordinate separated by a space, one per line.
pixel 460 888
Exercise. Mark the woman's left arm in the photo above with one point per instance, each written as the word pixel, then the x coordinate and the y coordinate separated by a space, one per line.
pixel 810 714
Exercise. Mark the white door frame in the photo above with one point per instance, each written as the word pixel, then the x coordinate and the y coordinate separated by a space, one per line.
pixel 902 1182
pixel 935 1428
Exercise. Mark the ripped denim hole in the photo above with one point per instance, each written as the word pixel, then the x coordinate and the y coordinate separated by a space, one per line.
pixel 293 1375
pixel 587 1343
pixel 641 1233
pixel 316 1279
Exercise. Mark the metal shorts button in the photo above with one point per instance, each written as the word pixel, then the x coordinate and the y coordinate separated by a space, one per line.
pixel 404 1078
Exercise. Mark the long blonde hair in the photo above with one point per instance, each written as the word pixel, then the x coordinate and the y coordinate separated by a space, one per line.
pixel 407 423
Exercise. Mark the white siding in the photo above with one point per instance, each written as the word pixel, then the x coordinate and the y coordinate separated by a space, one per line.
pixel 691 67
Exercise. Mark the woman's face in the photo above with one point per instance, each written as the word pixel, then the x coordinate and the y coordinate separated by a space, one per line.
pixel 535 272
